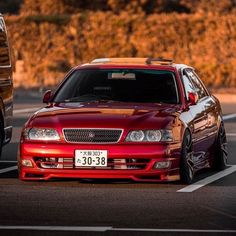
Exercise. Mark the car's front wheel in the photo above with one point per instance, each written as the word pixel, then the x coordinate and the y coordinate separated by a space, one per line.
pixel 186 169
pixel 221 152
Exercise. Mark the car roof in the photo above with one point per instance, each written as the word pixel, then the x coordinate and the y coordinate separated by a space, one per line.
pixel 134 62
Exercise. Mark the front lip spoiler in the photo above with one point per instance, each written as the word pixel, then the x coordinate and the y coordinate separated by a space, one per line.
pixel 145 175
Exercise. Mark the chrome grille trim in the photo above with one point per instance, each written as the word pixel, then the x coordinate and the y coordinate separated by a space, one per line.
pixel 98 135
pixel 63 163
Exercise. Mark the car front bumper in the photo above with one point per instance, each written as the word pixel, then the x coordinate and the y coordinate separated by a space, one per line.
pixel 145 156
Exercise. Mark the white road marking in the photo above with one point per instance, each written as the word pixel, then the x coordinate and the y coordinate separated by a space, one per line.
pixel 26 110
pixel 6 161
pixel 58 228
pixel 192 187
pixel 108 228
pixel 231 134
pixel 8 169
pixel 174 230
pixel 230 116
pixel 221 212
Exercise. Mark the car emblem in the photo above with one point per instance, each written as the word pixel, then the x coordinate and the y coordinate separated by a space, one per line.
pixel 91 135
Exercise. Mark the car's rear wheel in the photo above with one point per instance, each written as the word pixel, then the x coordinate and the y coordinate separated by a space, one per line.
pixel 221 152
pixel 186 169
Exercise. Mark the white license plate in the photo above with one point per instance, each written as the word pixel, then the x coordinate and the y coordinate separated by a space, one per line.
pixel 90 158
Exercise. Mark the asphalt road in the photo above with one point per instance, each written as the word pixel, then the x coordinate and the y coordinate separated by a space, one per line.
pixel 72 207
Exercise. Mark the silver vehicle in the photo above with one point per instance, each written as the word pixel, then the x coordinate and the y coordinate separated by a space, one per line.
pixel 6 87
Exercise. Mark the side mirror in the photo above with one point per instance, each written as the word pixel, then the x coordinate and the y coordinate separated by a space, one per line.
pixel 47 96
pixel 193 98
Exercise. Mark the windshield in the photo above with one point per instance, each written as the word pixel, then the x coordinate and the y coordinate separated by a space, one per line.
pixel 123 85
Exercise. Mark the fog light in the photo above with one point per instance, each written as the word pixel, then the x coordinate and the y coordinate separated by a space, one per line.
pixel 26 163
pixel 161 165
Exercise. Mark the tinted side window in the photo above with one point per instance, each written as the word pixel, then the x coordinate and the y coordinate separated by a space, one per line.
pixel 197 84
pixel 188 86
pixel 4 50
pixel 200 82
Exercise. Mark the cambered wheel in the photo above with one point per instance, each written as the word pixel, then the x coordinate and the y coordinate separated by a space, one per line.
pixel 186 169
pixel 221 152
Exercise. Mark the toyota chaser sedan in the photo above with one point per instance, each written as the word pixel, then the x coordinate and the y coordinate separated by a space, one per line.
pixel 140 119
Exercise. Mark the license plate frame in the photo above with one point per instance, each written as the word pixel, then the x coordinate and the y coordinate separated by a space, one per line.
pixel 91 158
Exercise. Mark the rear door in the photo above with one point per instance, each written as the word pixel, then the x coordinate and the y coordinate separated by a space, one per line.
pixel 205 125
pixel 198 114
pixel 210 108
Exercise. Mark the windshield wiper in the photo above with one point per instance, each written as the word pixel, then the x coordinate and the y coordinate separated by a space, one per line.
pixel 89 98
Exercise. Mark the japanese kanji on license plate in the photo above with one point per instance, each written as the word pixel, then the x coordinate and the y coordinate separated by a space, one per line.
pixel 91 158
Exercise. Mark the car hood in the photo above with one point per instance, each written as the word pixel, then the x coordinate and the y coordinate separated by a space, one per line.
pixel 105 115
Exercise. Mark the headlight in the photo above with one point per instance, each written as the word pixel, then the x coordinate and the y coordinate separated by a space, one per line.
pixel 153 135
pixel 167 135
pixel 44 134
pixel 149 136
pixel 136 136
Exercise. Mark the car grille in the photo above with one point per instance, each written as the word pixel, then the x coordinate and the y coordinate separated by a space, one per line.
pixel 92 135
pixel 112 164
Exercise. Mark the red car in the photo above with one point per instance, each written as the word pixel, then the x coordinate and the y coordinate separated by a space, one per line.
pixel 142 119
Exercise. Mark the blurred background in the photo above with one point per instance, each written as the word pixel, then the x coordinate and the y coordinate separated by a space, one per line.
pixel 49 37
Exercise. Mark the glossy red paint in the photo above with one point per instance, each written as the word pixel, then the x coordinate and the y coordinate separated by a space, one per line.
pixel 105 116
pixel 136 151
pixel 126 116
pixel 47 96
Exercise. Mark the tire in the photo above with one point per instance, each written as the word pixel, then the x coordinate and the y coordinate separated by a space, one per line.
pixel 221 152
pixel 186 169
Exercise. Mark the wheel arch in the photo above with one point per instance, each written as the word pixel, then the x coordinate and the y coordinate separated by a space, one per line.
pixel 186 128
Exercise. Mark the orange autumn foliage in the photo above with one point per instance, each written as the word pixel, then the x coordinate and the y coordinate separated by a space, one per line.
pixel 51 42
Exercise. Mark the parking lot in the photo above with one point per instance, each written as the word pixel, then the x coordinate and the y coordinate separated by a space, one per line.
pixel 208 206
